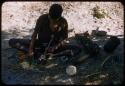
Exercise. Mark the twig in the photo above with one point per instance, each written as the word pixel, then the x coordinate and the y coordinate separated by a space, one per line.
pixel 83 58
pixel 92 74
pixel 61 53
pixel 25 73
pixel 105 60
pixel 18 76
pixel 36 70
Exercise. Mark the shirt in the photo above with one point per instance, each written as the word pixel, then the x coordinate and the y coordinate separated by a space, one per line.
pixel 45 33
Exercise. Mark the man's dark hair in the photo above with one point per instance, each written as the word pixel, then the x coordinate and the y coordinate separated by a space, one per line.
pixel 55 11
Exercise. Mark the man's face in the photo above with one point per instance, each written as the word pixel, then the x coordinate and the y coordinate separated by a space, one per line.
pixel 54 24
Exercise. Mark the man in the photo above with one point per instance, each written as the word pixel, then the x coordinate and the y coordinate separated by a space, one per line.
pixel 49 26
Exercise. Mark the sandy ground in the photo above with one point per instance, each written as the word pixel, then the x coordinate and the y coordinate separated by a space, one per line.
pixel 19 19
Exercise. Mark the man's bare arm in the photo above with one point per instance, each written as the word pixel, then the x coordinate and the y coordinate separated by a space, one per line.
pixel 33 38
pixel 64 35
pixel 32 42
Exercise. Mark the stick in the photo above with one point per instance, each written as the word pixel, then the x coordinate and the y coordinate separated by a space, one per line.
pixel 49 44
pixel 105 60
pixel 92 74
pixel 61 53
pixel 83 58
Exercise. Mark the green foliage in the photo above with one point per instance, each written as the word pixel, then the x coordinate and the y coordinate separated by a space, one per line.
pixel 98 13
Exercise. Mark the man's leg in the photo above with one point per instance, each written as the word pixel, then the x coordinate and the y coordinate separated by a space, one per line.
pixel 20 44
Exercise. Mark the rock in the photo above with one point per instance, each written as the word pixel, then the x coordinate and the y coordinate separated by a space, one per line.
pixel 71 70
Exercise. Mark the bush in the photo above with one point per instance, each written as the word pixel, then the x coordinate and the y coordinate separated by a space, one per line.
pixel 98 13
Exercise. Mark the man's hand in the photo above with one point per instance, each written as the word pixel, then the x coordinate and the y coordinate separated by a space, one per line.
pixel 50 50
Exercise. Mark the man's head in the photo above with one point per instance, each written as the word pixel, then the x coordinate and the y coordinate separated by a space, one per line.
pixel 55 11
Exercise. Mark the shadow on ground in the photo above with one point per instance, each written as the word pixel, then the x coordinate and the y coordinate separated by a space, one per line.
pixel 88 72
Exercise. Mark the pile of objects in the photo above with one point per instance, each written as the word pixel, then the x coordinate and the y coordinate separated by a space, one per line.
pixel 87 45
